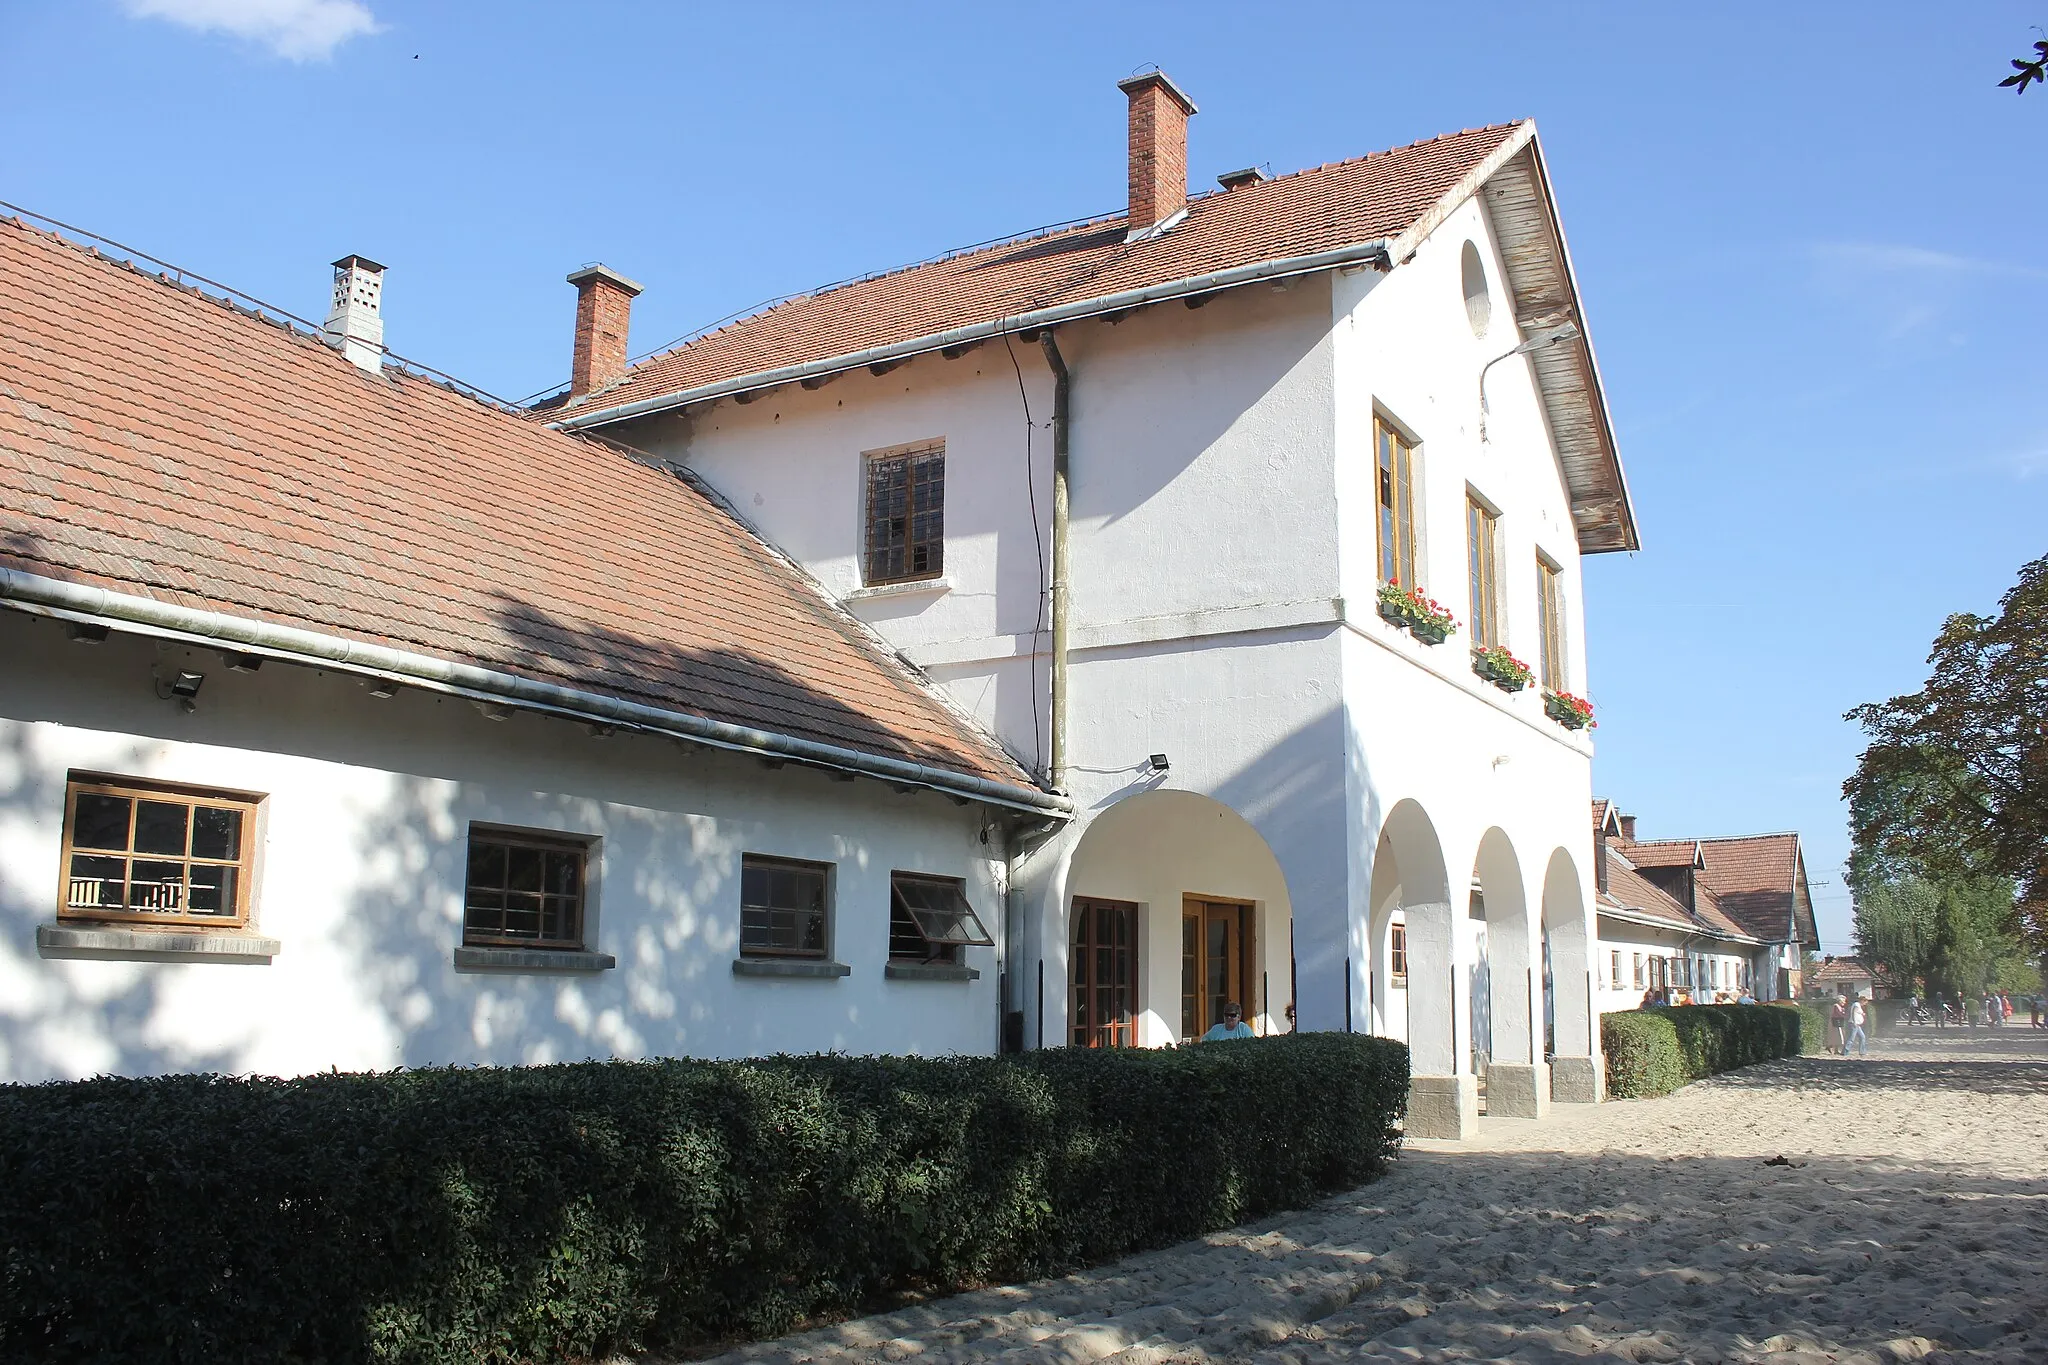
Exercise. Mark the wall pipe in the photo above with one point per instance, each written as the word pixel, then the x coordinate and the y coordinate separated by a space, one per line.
pixel 1062 383
pixel 130 614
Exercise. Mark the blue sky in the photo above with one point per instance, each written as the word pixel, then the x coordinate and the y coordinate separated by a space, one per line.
pixel 1809 239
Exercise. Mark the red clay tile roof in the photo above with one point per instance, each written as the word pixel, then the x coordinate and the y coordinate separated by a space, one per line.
pixel 158 442
pixel 1762 885
pixel 1628 889
pixel 1346 203
pixel 1663 852
pixel 1844 969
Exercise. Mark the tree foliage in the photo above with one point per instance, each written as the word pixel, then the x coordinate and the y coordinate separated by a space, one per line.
pixel 2027 70
pixel 1955 934
pixel 1954 784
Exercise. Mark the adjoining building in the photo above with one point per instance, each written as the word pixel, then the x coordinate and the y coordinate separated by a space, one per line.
pixel 1080 586
pixel 1698 919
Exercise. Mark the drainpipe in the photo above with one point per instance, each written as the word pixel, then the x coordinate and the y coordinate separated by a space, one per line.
pixel 1061 382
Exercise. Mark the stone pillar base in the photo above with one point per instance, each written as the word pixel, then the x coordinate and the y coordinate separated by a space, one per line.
pixel 1517 1092
pixel 1442 1107
pixel 1577 1080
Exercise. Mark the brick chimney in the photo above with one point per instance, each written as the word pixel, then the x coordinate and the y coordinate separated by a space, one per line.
pixel 1158 149
pixel 1628 829
pixel 604 308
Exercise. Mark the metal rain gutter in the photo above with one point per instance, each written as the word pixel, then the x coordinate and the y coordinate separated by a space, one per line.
pixel 290 644
pixel 1374 251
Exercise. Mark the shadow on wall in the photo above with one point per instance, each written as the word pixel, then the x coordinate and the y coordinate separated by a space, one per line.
pixel 52 1022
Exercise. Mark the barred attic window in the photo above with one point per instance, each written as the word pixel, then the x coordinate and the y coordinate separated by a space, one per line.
pixel 144 853
pixel 524 891
pixel 782 908
pixel 906 514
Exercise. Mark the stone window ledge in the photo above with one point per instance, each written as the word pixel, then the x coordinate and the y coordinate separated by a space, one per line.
pixel 121 944
pixel 913 587
pixel 789 967
pixel 930 971
pixel 533 960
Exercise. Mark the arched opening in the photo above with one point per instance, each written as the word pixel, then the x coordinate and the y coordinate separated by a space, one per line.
pixel 1570 1021
pixel 1175 908
pixel 1504 984
pixel 1428 1004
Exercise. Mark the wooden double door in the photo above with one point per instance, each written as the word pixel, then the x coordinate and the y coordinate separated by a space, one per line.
pixel 1219 962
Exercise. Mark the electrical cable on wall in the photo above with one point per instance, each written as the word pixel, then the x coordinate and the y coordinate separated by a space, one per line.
pixel 1037 543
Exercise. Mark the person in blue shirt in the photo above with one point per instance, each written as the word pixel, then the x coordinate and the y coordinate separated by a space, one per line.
pixel 1233 1025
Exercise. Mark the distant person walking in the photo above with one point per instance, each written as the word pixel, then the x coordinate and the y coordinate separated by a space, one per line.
pixel 1838 1015
pixel 1857 1038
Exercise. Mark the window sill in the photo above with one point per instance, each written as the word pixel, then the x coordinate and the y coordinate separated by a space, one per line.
pixel 113 943
pixel 533 960
pixel 930 971
pixel 789 967
pixel 915 587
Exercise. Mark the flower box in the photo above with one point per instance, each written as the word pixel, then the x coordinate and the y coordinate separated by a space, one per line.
pixel 1501 668
pixel 1573 713
pixel 1427 620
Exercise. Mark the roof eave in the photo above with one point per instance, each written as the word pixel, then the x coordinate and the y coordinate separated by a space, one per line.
pixel 132 614
pixel 1374 253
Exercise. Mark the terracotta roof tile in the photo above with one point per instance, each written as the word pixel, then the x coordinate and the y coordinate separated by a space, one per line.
pixel 1761 884
pixel 1663 852
pixel 161 443
pixel 1344 203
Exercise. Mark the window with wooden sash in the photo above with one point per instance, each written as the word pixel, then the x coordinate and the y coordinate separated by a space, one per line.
pixel 930 919
pixel 141 852
pixel 1640 983
pixel 1104 966
pixel 1395 479
pixel 1550 620
pixel 906 514
pixel 524 890
pixel 1482 539
pixel 783 908
pixel 1218 963
pixel 1614 967
pixel 1397 956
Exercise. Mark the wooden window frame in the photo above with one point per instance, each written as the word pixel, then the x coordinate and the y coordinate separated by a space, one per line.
pixel 248 804
pixel 1196 961
pixel 874 559
pixel 1614 968
pixel 948 952
pixel 1640 981
pixel 548 841
pixel 1553 674
pixel 767 861
pixel 1397 956
pixel 1482 563
pixel 1087 991
pixel 1394 454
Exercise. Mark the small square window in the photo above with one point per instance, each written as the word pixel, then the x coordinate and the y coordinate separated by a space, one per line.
pixel 930 919
pixel 783 908
pixel 144 853
pixel 1397 956
pixel 524 890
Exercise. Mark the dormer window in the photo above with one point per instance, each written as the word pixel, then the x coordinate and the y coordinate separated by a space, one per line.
pixel 906 514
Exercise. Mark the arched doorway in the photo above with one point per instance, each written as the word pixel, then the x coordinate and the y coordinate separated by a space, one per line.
pixel 1410 893
pixel 1175 907
pixel 1505 980
pixel 1576 1068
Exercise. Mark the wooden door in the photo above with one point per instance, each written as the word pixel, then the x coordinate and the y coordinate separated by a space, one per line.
pixel 1103 966
pixel 1218 963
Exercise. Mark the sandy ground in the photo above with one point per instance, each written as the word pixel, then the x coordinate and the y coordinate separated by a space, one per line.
pixel 1910 1223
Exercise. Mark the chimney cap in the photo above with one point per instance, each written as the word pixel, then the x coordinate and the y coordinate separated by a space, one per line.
pixel 351 261
pixel 1133 84
pixel 590 273
pixel 1250 175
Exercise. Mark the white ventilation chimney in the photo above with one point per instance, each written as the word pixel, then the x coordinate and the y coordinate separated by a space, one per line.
pixel 356 320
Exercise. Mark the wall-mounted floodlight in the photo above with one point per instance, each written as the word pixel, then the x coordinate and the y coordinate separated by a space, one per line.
pixel 182 688
pixel 1548 336
pixel 1159 763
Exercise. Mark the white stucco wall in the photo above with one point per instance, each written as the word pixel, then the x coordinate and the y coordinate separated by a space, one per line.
pixel 1725 961
pixel 368 804
pixel 1223 605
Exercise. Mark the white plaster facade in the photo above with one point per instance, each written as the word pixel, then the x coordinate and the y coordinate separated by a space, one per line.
pixel 1223 588
pixel 366 810
pixel 1697 964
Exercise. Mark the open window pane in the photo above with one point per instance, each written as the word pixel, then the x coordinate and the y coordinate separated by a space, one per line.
pixel 941 913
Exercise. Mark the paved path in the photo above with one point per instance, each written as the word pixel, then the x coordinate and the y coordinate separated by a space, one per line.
pixel 1910 1223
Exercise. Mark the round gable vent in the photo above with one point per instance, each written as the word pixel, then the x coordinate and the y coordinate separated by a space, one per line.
pixel 1478 303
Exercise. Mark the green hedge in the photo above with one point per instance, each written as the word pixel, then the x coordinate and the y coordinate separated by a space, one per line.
pixel 575 1211
pixel 1655 1051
